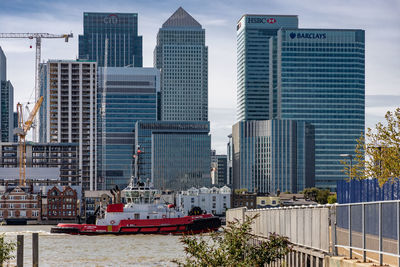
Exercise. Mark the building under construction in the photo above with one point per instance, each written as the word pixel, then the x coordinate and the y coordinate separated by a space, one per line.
pixel 70 97
pixel 43 162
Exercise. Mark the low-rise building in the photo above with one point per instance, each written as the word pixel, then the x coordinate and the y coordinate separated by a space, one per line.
pixel 95 199
pixel 62 203
pixel 211 200
pixel 267 202
pixel 244 199
pixel 19 204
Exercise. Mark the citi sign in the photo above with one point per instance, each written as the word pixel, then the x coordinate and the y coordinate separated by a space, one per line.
pixel 294 35
pixel 111 19
pixel 261 20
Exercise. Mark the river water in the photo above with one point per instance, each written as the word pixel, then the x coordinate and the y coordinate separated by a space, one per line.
pixel 103 250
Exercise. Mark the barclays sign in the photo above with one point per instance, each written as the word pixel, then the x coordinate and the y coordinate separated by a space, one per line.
pixel 294 35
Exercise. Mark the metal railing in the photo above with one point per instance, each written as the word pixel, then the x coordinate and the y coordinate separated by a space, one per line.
pixel 306 226
pixel 368 227
pixel 373 228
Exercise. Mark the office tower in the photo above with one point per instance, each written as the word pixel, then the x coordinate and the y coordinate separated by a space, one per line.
pixel 130 96
pixel 121 30
pixel 273 155
pixel 15 118
pixel 174 155
pixel 222 168
pixel 6 102
pixel 3 66
pixel 253 34
pixel 71 105
pixel 182 57
pixel 321 79
pixel 229 160
pixel 6 111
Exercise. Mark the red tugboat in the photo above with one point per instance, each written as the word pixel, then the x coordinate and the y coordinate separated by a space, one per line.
pixel 142 215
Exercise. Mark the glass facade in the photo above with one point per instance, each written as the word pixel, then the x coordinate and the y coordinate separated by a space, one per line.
pixel 253 34
pixel 174 155
pixel 6 111
pixel 42 121
pixel 321 79
pixel 121 30
pixel 273 155
pixel 3 66
pixel 130 96
pixel 182 58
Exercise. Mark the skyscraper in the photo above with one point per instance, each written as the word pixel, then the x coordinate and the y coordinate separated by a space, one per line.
pixel 6 102
pixel 3 66
pixel 321 79
pixel 182 57
pixel 174 155
pixel 71 108
pixel 253 59
pixel 130 96
pixel 121 30
pixel 273 154
pixel 6 111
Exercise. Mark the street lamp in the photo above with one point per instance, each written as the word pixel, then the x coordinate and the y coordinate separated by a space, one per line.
pixel 351 162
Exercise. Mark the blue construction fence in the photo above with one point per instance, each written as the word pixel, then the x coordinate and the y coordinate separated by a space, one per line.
pixel 366 191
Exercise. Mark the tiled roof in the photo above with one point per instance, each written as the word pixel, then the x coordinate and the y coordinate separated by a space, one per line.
pixel 181 19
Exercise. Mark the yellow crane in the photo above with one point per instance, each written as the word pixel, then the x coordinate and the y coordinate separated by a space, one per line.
pixel 22 131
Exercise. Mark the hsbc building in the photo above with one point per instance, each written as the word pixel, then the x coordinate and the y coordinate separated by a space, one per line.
pixel 253 34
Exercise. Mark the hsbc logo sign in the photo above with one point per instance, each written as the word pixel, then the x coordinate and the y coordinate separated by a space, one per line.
pixel 271 20
pixel 261 20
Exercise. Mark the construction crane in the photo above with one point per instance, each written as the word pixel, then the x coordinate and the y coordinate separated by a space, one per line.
pixel 22 131
pixel 38 37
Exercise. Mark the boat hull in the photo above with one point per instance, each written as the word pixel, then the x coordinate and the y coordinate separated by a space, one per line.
pixel 185 225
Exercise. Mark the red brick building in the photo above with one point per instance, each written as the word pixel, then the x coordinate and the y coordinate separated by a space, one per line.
pixel 19 203
pixel 62 204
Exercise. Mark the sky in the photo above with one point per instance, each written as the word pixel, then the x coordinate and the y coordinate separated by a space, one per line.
pixel 379 18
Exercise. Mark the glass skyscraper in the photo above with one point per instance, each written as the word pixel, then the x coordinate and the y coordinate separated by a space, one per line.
pixel 130 96
pixel 121 30
pixel 6 102
pixel 272 155
pixel 321 79
pixel 6 111
pixel 174 155
pixel 182 57
pixel 253 34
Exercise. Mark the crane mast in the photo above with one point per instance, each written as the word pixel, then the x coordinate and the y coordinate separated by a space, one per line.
pixel 38 37
pixel 22 131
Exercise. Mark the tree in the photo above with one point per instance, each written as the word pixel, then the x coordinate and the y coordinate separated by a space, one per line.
pixel 6 249
pixel 232 247
pixel 322 196
pixel 317 195
pixel 378 155
pixel 332 199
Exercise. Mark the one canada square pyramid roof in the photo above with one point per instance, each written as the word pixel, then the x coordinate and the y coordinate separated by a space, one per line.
pixel 181 19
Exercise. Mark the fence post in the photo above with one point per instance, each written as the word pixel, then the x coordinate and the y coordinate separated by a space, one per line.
pixel 35 249
pixel 333 228
pixel 380 233
pixel 350 241
pixel 20 251
pixel 398 232
pixel 363 232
